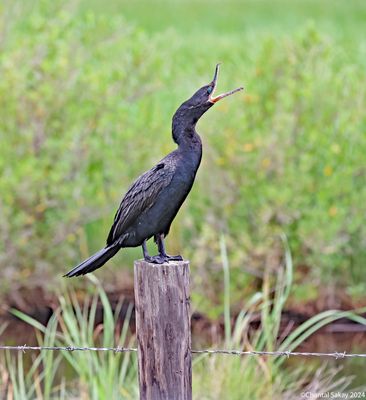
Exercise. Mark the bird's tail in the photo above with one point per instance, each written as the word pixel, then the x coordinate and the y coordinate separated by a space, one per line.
pixel 94 262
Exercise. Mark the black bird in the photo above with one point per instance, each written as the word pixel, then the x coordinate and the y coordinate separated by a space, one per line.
pixel 151 203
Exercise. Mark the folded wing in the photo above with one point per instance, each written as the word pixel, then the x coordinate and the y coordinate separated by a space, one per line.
pixel 140 197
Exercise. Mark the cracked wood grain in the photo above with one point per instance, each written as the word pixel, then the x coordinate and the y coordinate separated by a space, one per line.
pixel 163 330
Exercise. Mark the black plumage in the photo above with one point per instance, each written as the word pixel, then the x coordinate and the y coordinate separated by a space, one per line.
pixel 151 203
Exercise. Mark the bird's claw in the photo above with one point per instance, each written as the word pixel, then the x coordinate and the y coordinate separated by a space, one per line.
pixel 155 259
pixel 174 258
pixel 161 259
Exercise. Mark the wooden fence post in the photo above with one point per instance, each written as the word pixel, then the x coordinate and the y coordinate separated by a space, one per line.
pixel 163 326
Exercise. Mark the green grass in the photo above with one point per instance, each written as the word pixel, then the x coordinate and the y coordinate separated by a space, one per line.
pixel 94 375
pixel 103 375
pixel 86 98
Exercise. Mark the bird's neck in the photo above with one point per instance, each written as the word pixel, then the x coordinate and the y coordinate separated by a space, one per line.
pixel 187 140
pixel 184 133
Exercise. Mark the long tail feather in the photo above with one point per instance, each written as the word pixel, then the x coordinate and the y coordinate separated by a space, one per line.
pixel 94 262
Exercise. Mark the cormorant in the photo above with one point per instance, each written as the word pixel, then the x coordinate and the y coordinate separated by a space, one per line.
pixel 151 203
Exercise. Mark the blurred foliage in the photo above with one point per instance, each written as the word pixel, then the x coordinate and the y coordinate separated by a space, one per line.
pixel 63 114
pixel 86 100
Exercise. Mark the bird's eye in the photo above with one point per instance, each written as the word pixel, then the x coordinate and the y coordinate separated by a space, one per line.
pixel 209 89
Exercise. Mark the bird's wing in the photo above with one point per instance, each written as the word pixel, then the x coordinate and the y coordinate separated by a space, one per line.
pixel 140 197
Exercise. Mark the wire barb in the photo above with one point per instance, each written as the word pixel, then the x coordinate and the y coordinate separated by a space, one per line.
pixel 337 355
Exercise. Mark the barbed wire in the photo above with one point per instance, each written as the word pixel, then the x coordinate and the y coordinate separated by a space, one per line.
pixel 336 355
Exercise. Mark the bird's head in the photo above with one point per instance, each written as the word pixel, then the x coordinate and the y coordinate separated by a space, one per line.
pixel 192 110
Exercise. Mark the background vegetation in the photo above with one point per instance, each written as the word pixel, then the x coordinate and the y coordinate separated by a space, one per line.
pixel 86 101
pixel 87 92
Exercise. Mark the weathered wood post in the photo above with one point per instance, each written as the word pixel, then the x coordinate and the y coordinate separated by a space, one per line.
pixel 163 328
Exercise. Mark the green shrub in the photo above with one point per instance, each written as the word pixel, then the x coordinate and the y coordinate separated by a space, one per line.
pixel 85 107
pixel 68 91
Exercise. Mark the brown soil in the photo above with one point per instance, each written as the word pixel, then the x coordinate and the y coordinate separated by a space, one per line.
pixel 40 305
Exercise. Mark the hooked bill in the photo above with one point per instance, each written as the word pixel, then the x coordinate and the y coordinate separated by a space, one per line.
pixel 215 99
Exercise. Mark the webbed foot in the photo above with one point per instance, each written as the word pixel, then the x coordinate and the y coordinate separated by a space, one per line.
pixel 156 259
pixel 162 258
pixel 174 258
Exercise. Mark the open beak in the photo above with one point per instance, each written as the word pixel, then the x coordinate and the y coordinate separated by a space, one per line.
pixel 215 99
